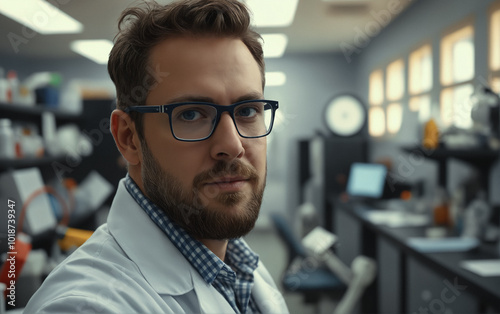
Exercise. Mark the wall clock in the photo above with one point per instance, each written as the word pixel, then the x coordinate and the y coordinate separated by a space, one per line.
pixel 345 115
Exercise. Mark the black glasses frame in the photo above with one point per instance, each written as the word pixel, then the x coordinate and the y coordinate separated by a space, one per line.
pixel 168 108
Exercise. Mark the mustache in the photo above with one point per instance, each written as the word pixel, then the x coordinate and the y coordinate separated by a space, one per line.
pixel 226 169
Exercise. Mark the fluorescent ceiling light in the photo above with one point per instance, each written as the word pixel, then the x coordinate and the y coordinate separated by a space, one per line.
pixel 275 78
pixel 274 45
pixel 272 13
pixel 96 50
pixel 346 1
pixel 40 16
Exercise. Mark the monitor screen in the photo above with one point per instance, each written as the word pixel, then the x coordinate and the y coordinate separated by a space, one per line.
pixel 366 180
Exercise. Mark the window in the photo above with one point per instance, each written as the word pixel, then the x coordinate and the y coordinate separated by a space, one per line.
pixel 494 42
pixel 376 115
pixel 395 80
pixel 495 84
pixel 395 88
pixel 457 72
pixel 385 112
pixel 376 121
pixel 376 89
pixel 456 107
pixel 394 117
pixel 420 81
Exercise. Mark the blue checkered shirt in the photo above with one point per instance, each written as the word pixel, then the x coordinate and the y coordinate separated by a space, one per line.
pixel 235 283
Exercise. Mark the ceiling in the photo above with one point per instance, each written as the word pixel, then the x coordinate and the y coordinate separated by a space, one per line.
pixel 319 26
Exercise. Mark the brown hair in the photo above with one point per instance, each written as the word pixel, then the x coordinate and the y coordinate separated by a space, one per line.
pixel 140 28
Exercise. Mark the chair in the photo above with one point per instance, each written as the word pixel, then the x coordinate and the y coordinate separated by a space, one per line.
pixel 305 274
pixel 314 269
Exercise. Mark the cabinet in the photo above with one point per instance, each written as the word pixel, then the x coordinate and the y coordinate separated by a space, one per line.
pixel 411 281
pixel 434 292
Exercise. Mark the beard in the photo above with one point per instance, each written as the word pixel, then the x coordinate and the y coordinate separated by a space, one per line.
pixel 190 210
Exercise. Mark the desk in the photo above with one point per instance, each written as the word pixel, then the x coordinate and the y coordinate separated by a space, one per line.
pixel 410 281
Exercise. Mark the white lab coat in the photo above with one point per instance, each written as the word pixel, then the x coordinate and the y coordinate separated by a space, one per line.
pixel 130 266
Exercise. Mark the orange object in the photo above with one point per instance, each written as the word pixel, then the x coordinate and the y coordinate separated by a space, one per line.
pixel 11 269
pixel 70 183
pixel 431 135
pixel 74 238
pixel 405 195
pixel 442 215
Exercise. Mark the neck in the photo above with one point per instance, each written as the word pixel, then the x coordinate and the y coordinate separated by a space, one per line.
pixel 135 173
pixel 218 247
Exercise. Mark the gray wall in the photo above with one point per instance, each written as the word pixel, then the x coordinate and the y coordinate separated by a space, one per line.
pixel 312 79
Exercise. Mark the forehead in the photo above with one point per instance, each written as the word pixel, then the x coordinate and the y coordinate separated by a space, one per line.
pixel 191 58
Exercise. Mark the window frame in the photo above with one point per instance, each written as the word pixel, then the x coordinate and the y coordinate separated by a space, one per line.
pixel 376 99
pixel 391 103
pixel 447 85
pixel 416 92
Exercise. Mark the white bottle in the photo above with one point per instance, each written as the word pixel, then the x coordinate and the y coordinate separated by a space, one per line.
pixel 13 81
pixel 4 87
pixel 7 145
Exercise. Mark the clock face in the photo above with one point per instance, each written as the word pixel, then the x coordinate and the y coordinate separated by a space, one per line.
pixel 345 115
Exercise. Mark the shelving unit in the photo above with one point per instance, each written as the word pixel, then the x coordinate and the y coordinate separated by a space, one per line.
pixel 480 158
pixel 33 114
pixel 28 162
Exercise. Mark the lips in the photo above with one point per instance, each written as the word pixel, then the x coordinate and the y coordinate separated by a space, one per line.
pixel 226 185
pixel 225 180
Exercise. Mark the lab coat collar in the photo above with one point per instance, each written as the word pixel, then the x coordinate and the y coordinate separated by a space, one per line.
pixel 159 261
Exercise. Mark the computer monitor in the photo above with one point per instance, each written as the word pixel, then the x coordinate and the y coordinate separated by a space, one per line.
pixel 366 180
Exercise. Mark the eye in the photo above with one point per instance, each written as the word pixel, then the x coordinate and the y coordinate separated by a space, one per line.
pixel 190 115
pixel 247 111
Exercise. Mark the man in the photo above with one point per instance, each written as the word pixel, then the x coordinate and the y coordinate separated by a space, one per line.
pixel 191 123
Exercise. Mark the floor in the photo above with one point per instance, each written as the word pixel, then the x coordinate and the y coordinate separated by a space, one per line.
pixel 265 242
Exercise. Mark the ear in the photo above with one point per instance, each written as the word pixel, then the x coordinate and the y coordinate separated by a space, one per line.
pixel 126 137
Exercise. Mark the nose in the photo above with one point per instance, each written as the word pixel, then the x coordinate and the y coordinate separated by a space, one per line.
pixel 226 140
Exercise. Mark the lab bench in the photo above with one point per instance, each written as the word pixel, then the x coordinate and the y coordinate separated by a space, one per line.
pixel 409 280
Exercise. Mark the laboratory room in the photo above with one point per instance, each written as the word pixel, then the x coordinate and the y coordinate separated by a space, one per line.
pixel 369 184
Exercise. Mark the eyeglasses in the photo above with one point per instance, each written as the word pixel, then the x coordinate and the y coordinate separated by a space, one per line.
pixel 196 121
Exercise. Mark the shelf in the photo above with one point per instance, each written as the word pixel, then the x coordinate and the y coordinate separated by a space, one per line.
pixel 13 111
pixel 470 155
pixel 29 162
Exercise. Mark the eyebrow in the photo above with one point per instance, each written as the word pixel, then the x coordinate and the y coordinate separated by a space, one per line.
pixel 199 98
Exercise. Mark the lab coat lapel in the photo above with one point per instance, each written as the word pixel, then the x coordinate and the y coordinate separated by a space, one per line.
pixel 268 298
pixel 210 300
pixel 159 261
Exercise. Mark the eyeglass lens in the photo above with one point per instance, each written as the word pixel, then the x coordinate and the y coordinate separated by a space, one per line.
pixel 195 121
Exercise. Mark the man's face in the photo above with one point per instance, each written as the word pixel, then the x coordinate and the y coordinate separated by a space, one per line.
pixel 212 188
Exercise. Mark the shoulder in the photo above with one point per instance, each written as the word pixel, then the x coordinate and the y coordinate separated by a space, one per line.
pixel 97 278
